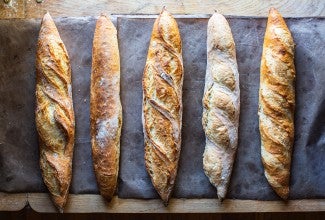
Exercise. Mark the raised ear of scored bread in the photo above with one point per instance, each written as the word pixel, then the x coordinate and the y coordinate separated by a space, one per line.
pixel 54 112
pixel 105 106
pixel 221 104
pixel 277 103
pixel 162 104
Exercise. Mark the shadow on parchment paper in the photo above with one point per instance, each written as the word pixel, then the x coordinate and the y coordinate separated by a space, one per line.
pixel 18 139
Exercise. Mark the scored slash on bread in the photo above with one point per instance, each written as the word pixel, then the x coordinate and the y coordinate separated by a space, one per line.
pixel 105 106
pixel 221 102
pixel 277 103
pixel 162 104
pixel 54 114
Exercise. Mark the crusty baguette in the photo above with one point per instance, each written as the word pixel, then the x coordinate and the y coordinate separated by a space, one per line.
pixel 105 106
pixel 277 103
pixel 162 104
pixel 221 103
pixel 54 112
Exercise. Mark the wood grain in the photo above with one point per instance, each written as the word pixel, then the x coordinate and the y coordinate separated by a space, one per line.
pixel 288 8
pixel 12 202
pixel 29 214
pixel 95 203
pixel 13 9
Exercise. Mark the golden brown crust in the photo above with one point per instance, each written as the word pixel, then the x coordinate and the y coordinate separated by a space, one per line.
pixel 162 104
pixel 220 104
pixel 277 103
pixel 105 106
pixel 54 112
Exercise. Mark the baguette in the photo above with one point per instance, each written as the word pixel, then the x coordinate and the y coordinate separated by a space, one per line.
pixel 221 104
pixel 54 112
pixel 277 103
pixel 162 104
pixel 105 106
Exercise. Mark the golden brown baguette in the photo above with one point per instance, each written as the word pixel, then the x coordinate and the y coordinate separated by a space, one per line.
pixel 105 106
pixel 221 102
pixel 277 103
pixel 54 112
pixel 162 104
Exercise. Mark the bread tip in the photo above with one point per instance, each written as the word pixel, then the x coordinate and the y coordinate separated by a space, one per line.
pixel 48 27
pixel 283 193
pixel 275 17
pixel 216 11
pixel 104 21
pixel 217 16
pixel 60 207
pixel 221 192
pixel 47 16
pixel 274 13
pixel 272 9
pixel 47 20
pixel 165 198
pixel 221 196
pixel 59 202
pixel 103 17
pixel 164 10
pixel 284 197
pixel 108 198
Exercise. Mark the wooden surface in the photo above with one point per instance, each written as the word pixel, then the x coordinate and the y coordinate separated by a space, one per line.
pixel 32 9
pixel 12 202
pixel 28 213
pixel 40 202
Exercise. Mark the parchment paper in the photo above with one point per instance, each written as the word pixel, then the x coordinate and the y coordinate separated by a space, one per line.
pixel 19 169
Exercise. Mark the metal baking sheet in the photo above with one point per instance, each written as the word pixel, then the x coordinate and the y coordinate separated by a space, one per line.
pixel 19 169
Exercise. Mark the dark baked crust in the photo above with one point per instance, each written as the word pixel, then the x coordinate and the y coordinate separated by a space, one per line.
pixel 277 103
pixel 162 104
pixel 105 106
pixel 54 112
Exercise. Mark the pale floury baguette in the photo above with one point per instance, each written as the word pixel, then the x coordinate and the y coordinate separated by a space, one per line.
pixel 277 103
pixel 221 104
pixel 54 112
pixel 105 106
pixel 162 104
